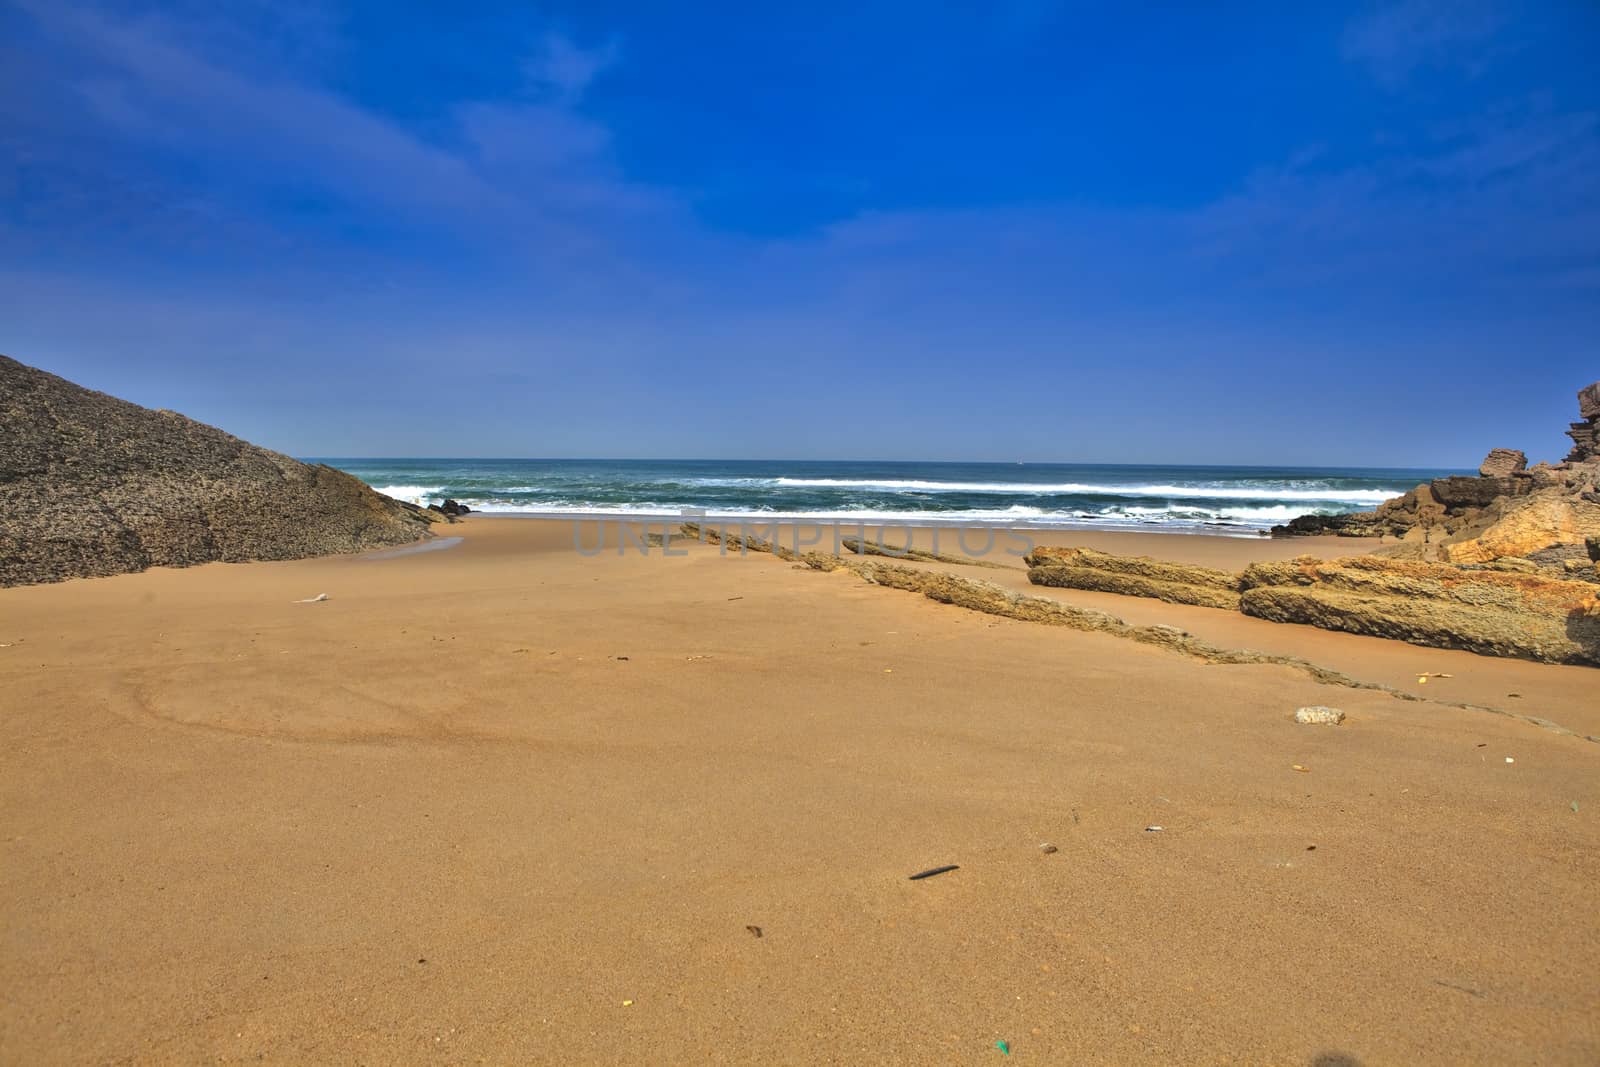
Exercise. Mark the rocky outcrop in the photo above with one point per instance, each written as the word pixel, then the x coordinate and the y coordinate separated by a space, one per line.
pixel 91 485
pixel 1505 608
pixel 1176 583
pixel 1586 434
pixel 1530 527
pixel 1502 462
pixel 1509 510
pixel 1438 605
pixel 1458 493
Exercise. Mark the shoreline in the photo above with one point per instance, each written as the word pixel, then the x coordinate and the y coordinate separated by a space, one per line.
pixel 1199 547
pixel 879 521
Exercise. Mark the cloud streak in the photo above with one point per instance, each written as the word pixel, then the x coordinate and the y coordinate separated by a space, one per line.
pixel 1396 39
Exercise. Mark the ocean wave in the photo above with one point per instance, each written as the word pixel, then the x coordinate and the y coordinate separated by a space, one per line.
pixel 1272 513
pixel 1252 519
pixel 421 495
pixel 1330 494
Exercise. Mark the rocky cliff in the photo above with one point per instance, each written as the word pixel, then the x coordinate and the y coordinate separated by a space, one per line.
pixel 1547 514
pixel 92 485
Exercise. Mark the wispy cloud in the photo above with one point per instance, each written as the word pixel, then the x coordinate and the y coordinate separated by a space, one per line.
pixel 533 175
pixel 1397 38
pixel 559 66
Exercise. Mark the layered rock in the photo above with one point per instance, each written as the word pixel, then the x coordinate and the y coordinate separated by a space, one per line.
pixel 1177 583
pixel 1502 462
pixel 1494 610
pixel 1589 402
pixel 1535 525
pixel 1438 605
pixel 1586 434
pixel 92 485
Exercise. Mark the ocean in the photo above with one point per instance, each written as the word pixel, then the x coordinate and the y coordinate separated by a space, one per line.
pixel 1243 500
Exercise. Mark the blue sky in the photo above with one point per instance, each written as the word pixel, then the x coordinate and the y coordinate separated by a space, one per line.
pixel 1210 233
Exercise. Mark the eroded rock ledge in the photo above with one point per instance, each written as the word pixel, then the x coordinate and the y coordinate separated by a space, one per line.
pixel 1479 609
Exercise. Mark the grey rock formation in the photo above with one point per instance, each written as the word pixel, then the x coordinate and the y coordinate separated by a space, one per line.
pixel 92 485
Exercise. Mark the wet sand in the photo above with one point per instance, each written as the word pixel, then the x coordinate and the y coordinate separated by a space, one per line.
pixel 506 803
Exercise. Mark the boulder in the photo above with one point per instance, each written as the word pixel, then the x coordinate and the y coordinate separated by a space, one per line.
pixel 1501 462
pixel 92 485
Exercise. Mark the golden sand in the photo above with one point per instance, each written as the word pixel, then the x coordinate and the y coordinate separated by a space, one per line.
pixel 506 803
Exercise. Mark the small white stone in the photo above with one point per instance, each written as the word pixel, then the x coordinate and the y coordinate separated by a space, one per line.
pixel 1317 715
pixel 1510 760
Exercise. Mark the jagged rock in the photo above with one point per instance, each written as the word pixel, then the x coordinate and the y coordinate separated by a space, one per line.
pixel 1508 510
pixel 1354 524
pixel 1459 492
pixel 1501 462
pixel 92 485
pixel 1546 476
pixel 1178 583
pixel 1589 401
pixel 1586 434
pixel 1555 554
pixel 1528 526
pixel 453 509
pixel 1439 605
pixel 1418 509
pixel 429 514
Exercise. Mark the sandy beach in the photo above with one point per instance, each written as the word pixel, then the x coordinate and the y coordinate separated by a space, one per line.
pixel 507 803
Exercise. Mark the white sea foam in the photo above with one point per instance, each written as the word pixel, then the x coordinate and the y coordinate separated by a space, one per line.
pixel 1272 513
pixel 1021 515
pixel 412 494
pixel 1178 492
